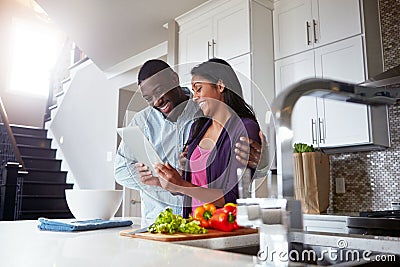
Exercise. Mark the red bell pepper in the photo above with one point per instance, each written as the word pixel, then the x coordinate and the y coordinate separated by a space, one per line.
pixel 226 209
pixel 224 219
pixel 204 213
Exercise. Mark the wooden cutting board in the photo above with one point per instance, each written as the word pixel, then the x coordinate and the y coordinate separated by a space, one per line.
pixel 182 237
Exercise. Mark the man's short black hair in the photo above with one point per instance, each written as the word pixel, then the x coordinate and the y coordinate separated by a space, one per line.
pixel 150 68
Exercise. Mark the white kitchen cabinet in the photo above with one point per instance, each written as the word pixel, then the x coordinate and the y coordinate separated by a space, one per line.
pixel 334 123
pixel 223 32
pixel 342 61
pixel 238 31
pixel 242 67
pixel 231 32
pixel 323 122
pixel 304 120
pixel 291 70
pixel 343 124
pixel 131 203
pixel 300 25
pixel 329 123
pixel 195 38
pixel 345 46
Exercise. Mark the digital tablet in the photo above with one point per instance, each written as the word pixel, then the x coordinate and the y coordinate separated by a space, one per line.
pixel 139 145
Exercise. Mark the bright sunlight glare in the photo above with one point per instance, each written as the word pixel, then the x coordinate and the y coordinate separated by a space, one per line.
pixel 34 54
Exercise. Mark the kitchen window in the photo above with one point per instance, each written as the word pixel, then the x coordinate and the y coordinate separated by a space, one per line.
pixel 34 49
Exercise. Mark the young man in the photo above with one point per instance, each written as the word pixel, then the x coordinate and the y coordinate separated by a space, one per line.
pixel 166 123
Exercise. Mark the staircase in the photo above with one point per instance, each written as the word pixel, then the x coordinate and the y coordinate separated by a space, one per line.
pixel 43 190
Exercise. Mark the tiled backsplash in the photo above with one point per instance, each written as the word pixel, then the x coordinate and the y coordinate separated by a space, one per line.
pixel 372 179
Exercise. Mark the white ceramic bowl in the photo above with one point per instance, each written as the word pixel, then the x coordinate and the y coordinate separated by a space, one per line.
pixel 87 204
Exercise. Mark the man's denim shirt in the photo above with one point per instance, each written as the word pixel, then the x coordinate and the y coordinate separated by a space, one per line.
pixel 168 139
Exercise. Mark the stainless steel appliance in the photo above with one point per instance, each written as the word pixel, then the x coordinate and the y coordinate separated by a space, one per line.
pixel 378 223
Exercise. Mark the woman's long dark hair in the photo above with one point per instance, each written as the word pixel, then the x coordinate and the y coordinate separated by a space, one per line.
pixel 215 70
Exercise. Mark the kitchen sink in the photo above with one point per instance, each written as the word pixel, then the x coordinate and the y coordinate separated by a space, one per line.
pixel 325 249
pixel 334 256
pixel 347 249
pixel 329 256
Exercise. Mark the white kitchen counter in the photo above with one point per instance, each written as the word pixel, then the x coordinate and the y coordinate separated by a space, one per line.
pixel 23 244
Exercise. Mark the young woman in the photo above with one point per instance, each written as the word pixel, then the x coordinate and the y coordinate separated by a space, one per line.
pixel 210 173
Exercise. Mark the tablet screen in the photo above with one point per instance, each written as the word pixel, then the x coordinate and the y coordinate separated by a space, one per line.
pixel 139 146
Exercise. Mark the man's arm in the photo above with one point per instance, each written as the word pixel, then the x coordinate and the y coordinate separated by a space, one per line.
pixel 124 168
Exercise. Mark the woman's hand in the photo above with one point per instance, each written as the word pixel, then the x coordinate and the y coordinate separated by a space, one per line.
pixel 169 178
pixel 146 176
pixel 251 153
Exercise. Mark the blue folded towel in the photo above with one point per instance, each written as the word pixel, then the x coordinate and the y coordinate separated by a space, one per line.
pixel 57 225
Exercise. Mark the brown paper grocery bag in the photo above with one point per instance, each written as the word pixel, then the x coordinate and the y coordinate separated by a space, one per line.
pixel 316 181
pixel 298 173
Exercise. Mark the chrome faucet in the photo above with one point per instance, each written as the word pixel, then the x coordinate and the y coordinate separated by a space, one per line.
pixel 283 105
pixel 275 219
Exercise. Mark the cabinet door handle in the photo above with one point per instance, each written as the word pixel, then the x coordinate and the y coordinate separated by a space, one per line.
pixel 213 47
pixel 308 33
pixel 321 132
pixel 315 32
pixel 208 49
pixel 134 202
pixel 313 128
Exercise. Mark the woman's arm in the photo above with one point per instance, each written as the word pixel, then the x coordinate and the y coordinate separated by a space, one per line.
pixel 171 180
pixel 248 129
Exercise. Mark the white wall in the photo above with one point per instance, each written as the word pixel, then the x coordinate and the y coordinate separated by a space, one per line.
pixel 23 109
pixel 87 122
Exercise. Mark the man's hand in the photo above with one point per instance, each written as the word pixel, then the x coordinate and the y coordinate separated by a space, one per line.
pixel 146 176
pixel 251 153
pixel 182 160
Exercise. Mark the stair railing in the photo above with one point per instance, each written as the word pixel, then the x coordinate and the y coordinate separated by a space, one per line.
pixel 11 192
pixel 10 164
pixel 7 135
